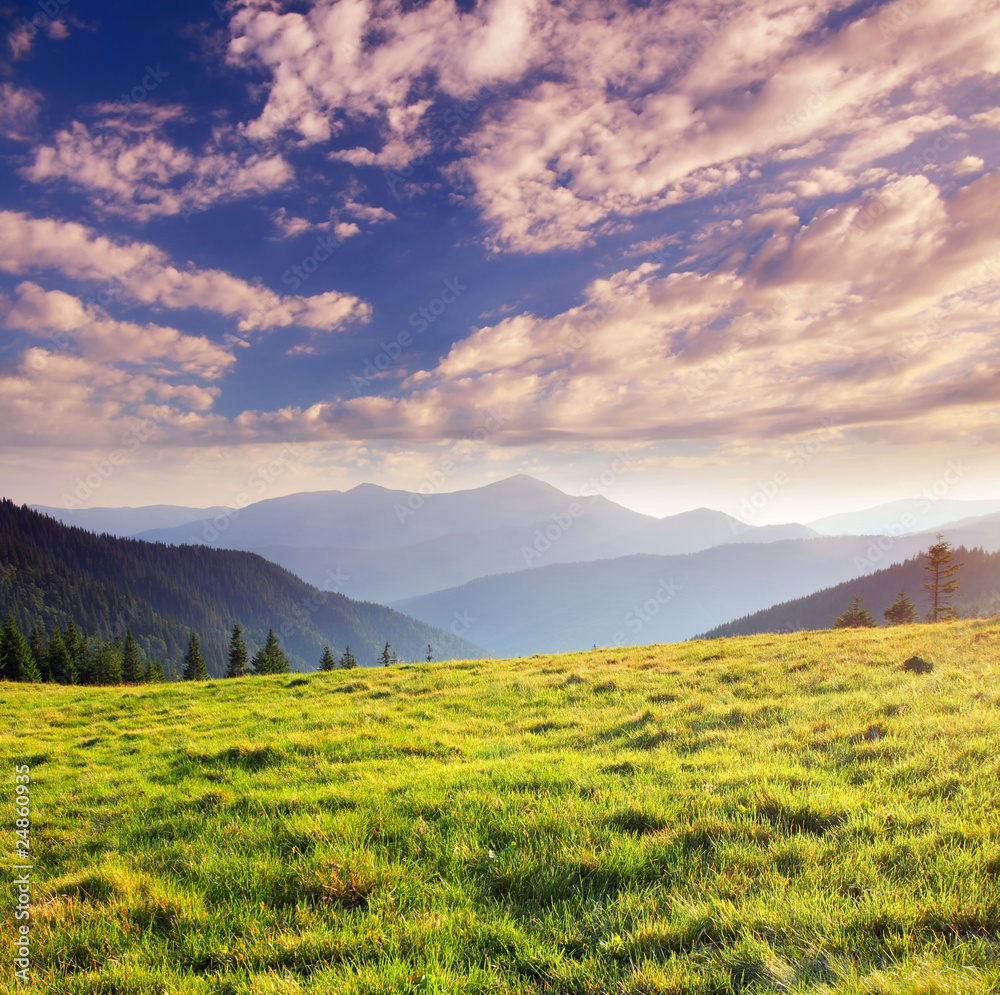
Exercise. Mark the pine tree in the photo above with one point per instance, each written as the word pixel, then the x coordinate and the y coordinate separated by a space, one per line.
pixel 16 661
pixel 395 659
pixel 326 661
pixel 194 663
pixel 105 663
pixel 385 659
pixel 74 651
pixel 347 661
pixel 39 652
pixel 60 664
pixel 154 672
pixel 942 586
pixel 902 611
pixel 430 653
pixel 237 654
pixel 269 659
pixel 131 664
pixel 856 617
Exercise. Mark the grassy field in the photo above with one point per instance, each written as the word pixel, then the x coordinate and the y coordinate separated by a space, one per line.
pixel 767 813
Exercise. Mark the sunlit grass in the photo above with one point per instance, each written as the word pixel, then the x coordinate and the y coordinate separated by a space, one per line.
pixel 768 813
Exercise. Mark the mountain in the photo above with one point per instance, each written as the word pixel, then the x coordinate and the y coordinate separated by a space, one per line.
pixel 979 583
pixel 129 521
pixel 53 574
pixel 919 514
pixel 644 598
pixel 372 517
pixel 386 545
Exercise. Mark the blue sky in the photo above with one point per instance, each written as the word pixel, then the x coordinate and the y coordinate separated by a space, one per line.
pixel 753 245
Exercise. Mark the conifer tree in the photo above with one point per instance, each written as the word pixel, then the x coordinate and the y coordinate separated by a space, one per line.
pixel 385 659
pixel 430 653
pixel 154 672
pixel 942 585
pixel 326 661
pixel 269 659
pixel 73 650
pixel 856 617
pixel 39 652
pixel 237 654
pixel 84 670
pixel 194 663
pixel 131 664
pixel 106 663
pixel 902 611
pixel 347 661
pixel 59 662
pixel 16 661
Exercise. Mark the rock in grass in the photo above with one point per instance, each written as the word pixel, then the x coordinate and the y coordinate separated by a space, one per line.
pixel 915 665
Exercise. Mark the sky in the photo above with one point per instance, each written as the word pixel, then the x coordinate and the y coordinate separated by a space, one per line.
pixel 743 255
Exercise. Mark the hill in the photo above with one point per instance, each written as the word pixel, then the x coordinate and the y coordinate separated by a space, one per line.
pixel 980 585
pixel 53 574
pixel 568 607
pixel 758 815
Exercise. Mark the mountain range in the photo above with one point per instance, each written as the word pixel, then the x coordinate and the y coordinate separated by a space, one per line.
pixel 542 570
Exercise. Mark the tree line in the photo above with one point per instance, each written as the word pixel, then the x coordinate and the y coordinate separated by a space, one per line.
pixel 69 657
pixel 941 586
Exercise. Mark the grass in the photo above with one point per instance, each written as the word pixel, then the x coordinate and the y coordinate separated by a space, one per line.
pixel 759 814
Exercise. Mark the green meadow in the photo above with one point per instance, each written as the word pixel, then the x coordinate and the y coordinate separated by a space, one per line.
pixel 794 813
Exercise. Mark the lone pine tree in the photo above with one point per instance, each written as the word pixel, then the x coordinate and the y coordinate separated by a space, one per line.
pixel 942 585
pixel 194 663
pixel 902 611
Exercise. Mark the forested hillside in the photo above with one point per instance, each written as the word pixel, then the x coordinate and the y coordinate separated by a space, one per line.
pixel 52 574
pixel 979 595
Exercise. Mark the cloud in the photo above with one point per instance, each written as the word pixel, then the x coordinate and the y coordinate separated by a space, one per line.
pixel 18 112
pixel 127 170
pixel 142 272
pixel 593 115
pixel 69 323
pixel 877 319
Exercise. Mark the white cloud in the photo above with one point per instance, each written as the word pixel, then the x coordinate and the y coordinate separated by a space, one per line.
pixel 142 272
pixel 128 170
pixel 599 114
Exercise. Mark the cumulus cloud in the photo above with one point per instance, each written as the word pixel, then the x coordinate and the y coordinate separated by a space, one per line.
pixel 142 272
pixel 600 114
pixel 128 169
